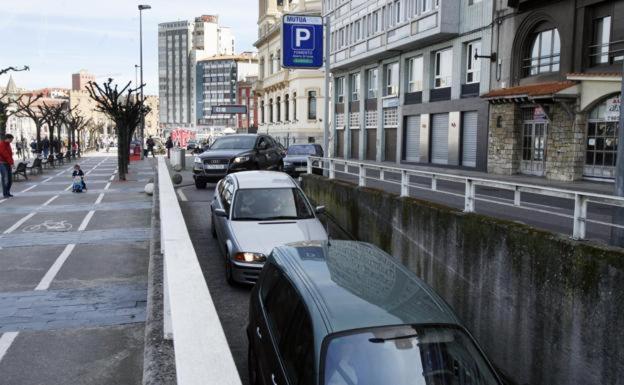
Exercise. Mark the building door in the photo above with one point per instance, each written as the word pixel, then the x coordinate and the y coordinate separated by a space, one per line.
pixel 533 147
pixel 371 143
pixel 355 143
pixel 439 138
pixel 340 143
pixel 412 138
pixel 601 141
pixel 469 139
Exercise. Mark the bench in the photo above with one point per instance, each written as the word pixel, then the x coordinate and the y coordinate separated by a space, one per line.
pixel 36 165
pixel 48 162
pixel 68 156
pixel 59 158
pixel 20 170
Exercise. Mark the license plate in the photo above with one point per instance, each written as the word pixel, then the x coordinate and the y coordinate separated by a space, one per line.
pixel 301 169
pixel 214 166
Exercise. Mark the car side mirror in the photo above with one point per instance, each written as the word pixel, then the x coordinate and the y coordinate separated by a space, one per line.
pixel 319 209
pixel 220 213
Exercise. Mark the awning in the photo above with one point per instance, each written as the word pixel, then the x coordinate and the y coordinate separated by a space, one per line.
pixel 533 92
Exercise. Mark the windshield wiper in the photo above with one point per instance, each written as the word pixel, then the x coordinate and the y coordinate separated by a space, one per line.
pixel 378 340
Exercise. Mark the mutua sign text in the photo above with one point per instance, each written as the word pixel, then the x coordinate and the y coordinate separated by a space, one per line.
pixel 302 41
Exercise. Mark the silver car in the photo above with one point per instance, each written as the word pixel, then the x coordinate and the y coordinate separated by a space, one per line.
pixel 254 211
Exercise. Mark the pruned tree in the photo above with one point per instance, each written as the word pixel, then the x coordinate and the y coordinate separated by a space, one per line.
pixel 6 101
pixel 76 123
pixel 54 116
pixel 125 109
pixel 14 69
pixel 26 106
pixel 94 129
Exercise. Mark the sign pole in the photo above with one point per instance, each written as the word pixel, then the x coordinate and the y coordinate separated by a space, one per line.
pixel 326 98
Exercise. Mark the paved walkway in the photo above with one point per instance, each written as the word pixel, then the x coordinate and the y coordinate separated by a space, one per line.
pixel 73 276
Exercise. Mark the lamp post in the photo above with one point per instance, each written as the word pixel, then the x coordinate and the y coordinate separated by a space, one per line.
pixel 136 69
pixel 141 8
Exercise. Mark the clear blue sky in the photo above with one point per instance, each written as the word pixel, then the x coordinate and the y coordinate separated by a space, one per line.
pixel 59 37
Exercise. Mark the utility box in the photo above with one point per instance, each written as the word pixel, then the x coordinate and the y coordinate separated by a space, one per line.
pixel 178 157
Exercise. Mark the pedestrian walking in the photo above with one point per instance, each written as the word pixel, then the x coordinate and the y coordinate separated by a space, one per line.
pixel 6 165
pixel 169 146
pixel 45 146
pixel 19 150
pixel 150 147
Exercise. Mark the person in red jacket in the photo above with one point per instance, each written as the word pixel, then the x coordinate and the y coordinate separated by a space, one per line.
pixel 6 165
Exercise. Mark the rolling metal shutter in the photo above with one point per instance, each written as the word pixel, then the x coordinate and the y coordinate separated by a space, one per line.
pixel 469 139
pixel 439 138
pixel 412 139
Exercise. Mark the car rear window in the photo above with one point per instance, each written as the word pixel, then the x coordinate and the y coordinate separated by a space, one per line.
pixel 406 355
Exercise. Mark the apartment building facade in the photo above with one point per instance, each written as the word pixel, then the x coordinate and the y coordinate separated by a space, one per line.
pixel 290 101
pixel 554 109
pixel 181 44
pixel 407 82
pixel 218 81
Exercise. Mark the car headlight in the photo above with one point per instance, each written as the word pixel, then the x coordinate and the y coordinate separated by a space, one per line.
pixel 197 159
pixel 241 159
pixel 250 257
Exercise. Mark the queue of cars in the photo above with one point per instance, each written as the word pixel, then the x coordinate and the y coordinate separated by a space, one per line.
pixel 324 312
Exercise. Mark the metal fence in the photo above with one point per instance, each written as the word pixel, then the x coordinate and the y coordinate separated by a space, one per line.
pixel 402 177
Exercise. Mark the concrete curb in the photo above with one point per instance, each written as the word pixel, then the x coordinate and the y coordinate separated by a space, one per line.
pixel 158 355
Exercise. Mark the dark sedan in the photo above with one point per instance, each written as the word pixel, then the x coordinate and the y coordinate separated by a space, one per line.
pixel 347 313
pixel 296 160
pixel 234 153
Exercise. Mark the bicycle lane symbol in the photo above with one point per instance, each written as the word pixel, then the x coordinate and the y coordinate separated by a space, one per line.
pixel 49 225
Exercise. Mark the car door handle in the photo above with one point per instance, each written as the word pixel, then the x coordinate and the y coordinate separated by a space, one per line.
pixel 273 379
pixel 258 332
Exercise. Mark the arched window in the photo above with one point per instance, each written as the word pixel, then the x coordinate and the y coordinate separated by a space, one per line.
pixel 270 110
pixel 602 134
pixel 544 51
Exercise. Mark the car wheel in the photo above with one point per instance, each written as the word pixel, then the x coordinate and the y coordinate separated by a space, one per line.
pixel 252 365
pixel 200 184
pixel 229 277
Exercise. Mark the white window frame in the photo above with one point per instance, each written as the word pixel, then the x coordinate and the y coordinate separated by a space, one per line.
pixel 354 80
pixel 473 65
pixel 340 83
pixel 391 88
pixel 439 78
pixel 371 84
pixel 414 76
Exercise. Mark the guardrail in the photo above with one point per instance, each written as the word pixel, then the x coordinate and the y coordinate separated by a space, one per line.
pixel 580 198
pixel 202 355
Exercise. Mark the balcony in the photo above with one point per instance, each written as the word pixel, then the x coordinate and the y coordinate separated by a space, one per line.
pixel 275 81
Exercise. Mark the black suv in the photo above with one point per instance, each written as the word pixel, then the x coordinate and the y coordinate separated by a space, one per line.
pixel 233 153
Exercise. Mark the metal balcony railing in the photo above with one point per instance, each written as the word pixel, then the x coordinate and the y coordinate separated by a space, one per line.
pixel 402 177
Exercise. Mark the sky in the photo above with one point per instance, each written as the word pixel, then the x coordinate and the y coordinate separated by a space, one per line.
pixel 56 38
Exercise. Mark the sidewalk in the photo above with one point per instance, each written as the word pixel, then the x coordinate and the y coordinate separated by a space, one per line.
pixel 73 276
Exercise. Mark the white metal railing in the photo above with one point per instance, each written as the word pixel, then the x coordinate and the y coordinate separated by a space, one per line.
pixel 202 355
pixel 580 198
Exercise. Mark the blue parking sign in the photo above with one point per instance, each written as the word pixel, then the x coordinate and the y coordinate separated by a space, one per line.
pixel 302 41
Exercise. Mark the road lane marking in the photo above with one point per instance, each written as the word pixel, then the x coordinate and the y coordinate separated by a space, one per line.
pixel 18 223
pixel 6 340
pixel 183 197
pixel 99 199
pixel 28 189
pixel 56 266
pixel 86 220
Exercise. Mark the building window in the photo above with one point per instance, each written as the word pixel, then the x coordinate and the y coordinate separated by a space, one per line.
pixel 544 53
pixel 397 12
pixel 472 63
pixel 443 68
pixel 286 107
pixel 602 36
pixel 429 5
pixel 271 63
pixel 415 74
pixel 355 87
pixel 371 83
pixel 295 106
pixel 270 110
pixel 279 108
pixel 340 90
pixel 311 105
pixel 262 111
pixel 357 31
pixel 391 80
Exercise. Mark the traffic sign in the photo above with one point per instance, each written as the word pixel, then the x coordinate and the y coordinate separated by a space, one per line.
pixel 302 41
pixel 229 109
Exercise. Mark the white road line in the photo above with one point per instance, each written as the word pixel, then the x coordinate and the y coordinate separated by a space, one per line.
pixel 49 276
pixel 2 200
pixel 28 189
pixel 99 199
pixel 18 223
pixel 107 186
pixel 49 201
pixel 112 176
pixel 86 220
pixel 183 197
pixel 47 180
pixel 6 340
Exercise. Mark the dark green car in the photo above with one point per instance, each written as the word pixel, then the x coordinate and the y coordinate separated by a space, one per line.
pixel 347 313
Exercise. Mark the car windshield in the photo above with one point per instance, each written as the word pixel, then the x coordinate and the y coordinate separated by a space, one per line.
pixel 270 204
pixel 305 149
pixel 406 355
pixel 234 143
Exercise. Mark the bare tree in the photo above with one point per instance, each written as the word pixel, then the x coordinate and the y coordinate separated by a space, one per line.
pixel 6 102
pixel 14 69
pixel 76 123
pixel 94 128
pixel 125 109
pixel 26 107
pixel 54 116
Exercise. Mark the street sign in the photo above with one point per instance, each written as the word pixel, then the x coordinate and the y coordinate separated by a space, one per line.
pixel 229 109
pixel 302 41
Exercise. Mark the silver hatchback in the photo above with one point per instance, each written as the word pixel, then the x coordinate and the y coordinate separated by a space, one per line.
pixel 255 211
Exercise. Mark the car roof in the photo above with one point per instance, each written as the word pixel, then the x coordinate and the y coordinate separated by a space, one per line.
pixel 350 285
pixel 263 179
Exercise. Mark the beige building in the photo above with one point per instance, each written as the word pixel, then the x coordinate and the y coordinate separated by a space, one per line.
pixel 290 102
pixel 86 107
pixel 152 127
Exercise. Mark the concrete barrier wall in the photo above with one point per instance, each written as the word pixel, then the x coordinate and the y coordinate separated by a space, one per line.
pixel 547 310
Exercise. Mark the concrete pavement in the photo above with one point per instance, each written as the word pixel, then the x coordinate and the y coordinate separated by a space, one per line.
pixel 73 276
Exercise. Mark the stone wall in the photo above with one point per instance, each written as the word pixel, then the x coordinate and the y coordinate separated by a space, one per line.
pixel 565 145
pixel 504 139
pixel 546 309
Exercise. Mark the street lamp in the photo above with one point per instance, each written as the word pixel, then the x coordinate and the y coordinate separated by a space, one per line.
pixel 136 69
pixel 141 8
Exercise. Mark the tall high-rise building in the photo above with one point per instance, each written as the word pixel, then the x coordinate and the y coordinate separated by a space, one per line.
pixel 180 45
pixel 81 79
